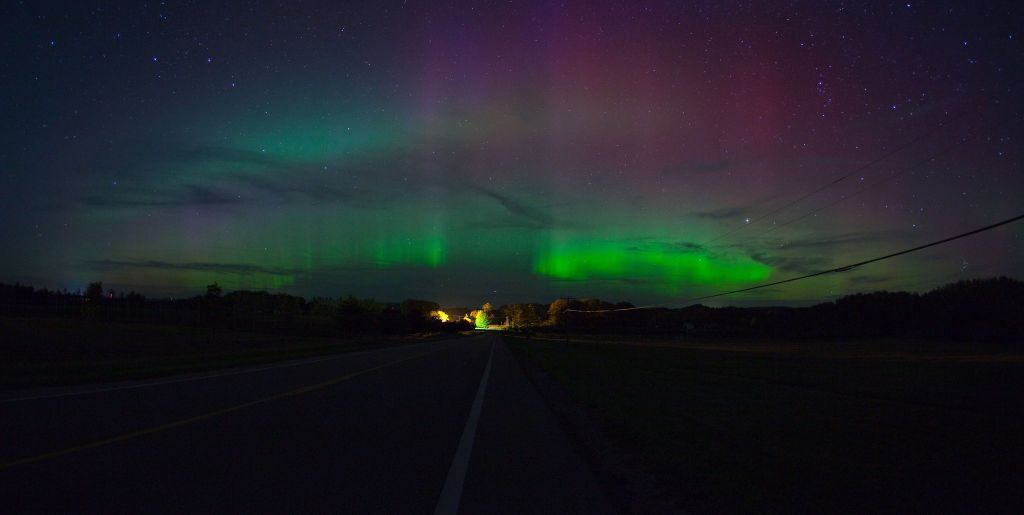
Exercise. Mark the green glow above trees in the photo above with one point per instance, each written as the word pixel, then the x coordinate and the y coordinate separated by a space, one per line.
pixel 664 269
pixel 413 250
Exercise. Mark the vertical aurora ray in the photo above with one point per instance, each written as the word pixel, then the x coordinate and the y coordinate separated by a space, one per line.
pixel 417 250
pixel 521 150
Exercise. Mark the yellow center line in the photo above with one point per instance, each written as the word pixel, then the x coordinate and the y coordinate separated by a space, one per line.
pixel 204 416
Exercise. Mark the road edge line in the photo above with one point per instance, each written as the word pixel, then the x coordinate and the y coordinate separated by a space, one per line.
pixel 205 416
pixel 451 494
pixel 92 388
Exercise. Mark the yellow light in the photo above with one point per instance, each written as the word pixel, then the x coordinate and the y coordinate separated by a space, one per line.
pixel 440 315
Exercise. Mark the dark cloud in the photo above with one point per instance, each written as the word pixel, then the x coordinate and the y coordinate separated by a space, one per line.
pixel 230 268
pixel 511 224
pixel 138 158
pixel 790 256
pixel 301 186
pixel 683 246
pixel 369 180
pixel 177 153
pixel 871 279
pixel 616 281
pixel 719 214
pixel 841 240
pixel 188 195
pixel 518 208
pixel 653 244
pixel 703 167
pixel 529 216
pixel 794 264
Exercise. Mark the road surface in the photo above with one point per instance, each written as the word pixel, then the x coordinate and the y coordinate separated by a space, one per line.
pixel 450 426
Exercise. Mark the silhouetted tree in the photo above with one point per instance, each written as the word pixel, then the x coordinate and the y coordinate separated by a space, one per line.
pixel 556 310
pixel 323 308
pixel 353 317
pixel 214 290
pixel 391 320
pixel 94 291
pixel 976 310
pixel 526 315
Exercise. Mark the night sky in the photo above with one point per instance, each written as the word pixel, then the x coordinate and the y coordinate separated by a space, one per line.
pixel 508 151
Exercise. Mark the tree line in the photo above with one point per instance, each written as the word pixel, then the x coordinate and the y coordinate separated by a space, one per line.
pixel 238 310
pixel 982 309
pixel 979 309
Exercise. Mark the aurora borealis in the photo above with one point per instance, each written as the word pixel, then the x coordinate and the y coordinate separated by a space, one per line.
pixel 508 151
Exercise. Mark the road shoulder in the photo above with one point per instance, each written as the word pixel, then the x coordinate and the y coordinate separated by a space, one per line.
pixel 627 484
pixel 523 461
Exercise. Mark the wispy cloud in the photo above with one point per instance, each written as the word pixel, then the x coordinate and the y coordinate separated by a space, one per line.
pixel 299 185
pixel 230 268
pixel 528 216
pixel 871 279
pixel 719 214
pixel 703 167
pixel 183 174
pixel 659 245
pixel 188 195
pixel 793 264
pixel 840 240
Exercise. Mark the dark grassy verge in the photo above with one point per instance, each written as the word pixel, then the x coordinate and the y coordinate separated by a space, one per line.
pixel 858 427
pixel 57 352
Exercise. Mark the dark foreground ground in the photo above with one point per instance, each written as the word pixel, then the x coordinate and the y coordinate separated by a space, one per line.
pixel 40 351
pixel 667 427
pixel 801 428
pixel 380 431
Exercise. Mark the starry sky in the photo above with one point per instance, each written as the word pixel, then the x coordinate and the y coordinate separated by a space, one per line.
pixel 509 151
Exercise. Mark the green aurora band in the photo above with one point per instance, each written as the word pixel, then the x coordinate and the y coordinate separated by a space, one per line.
pixel 494 159
pixel 666 271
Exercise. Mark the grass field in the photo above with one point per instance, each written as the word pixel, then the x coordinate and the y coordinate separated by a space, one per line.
pixel 811 427
pixel 55 351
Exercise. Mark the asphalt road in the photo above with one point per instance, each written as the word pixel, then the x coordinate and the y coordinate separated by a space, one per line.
pixel 441 427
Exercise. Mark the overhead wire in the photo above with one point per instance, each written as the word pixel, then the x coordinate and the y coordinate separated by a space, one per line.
pixel 849 267
pixel 838 269
pixel 900 173
pixel 958 116
pixel 831 183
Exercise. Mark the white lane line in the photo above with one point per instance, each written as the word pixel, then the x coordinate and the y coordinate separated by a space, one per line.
pixel 451 494
pixel 202 376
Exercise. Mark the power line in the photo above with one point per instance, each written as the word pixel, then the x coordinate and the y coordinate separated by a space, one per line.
pixel 931 157
pixel 844 268
pixel 855 265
